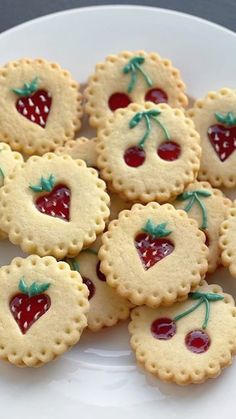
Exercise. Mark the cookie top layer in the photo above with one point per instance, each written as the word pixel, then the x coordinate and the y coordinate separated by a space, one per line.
pixel 40 105
pixel 81 148
pixel 53 205
pixel 153 254
pixel 189 341
pixel 148 152
pixel 132 77
pixel 35 294
pixel 106 306
pixel 208 207
pixel 215 120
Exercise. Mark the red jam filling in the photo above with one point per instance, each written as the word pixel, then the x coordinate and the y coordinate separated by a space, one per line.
pixel 169 150
pixel 134 156
pixel 100 275
pixel 223 140
pixel 152 249
pixel 118 100
pixel 163 328
pixel 197 341
pixel 90 285
pixel 156 96
pixel 36 107
pixel 55 203
pixel 27 310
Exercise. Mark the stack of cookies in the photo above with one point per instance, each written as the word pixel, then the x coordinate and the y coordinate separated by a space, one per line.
pixel 127 223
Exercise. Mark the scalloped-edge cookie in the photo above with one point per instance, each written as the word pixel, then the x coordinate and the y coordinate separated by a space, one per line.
pixel 53 205
pixel 132 77
pixel 153 254
pixel 215 120
pixel 43 306
pixel 40 105
pixel 148 153
pixel 227 240
pixel 107 308
pixel 8 162
pixel 208 207
pixel 190 341
pixel 81 148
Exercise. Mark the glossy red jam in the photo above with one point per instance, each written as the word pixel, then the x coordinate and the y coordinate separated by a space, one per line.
pixel 55 203
pixel 27 310
pixel 163 328
pixel 90 285
pixel 152 249
pixel 169 150
pixel 100 275
pixel 118 100
pixel 134 156
pixel 156 95
pixel 35 107
pixel 223 140
pixel 197 341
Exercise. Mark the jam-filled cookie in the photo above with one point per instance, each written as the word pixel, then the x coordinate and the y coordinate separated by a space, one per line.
pixel 81 148
pixel 53 205
pixel 228 240
pixel 148 152
pixel 136 77
pixel 190 341
pixel 153 254
pixel 215 120
pixel 43 306
pixel 106 306
pixel 208 207
pixel 40 105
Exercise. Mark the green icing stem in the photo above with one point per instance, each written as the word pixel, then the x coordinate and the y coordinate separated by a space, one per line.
pixel 194 196
pixel 1 173
pixel 204 298
pixel 134 67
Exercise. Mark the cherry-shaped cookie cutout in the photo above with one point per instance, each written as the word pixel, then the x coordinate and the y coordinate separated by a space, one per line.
pixel 56 201
pixel 100 275
pixel 156 95
pixel 33 104
pixel 134 156
pixel 29 305
pixel 163 328
pixel 197 341
pixel 90 285
pixel 169 151
pixel 152 244
pixel 118 100
pixel 223 136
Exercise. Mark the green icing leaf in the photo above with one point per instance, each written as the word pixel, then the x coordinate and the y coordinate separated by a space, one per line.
pixel 36 289
pixel 209 296
pixel 28 88
pixel 73 263
pixel 156 230
pixel 228 119
pixel 44 185
pixel 22 286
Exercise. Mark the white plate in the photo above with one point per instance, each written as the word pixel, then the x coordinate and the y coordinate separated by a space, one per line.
pixel 99 378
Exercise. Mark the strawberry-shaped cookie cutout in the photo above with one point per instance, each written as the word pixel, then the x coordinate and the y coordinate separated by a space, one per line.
pixel 152 246
pixel 33 104
pixel 29 305
pixel 197 340
pixel 223 135
pixel 168 150
pixel 56 202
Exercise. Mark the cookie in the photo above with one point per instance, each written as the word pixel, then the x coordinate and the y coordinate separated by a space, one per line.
pixel 208 207
pixel 40 105
pixel 53 205
pixel 153 254
pixel 106 306
pixel 148 152
pixel 43 308
pixel 132 77
pixel 215 120
pixel 81 148
pixel 227 240
pixel 188 342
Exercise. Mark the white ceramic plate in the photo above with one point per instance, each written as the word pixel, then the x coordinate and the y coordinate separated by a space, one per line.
pixel 99 378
